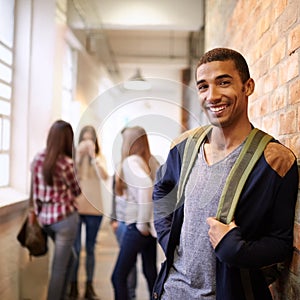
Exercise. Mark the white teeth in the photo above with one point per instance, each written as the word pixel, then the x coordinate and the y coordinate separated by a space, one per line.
pixel 217 109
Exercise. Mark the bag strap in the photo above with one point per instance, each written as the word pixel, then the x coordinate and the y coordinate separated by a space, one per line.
pixel 252 150
pixel 30 202
pixel 189 155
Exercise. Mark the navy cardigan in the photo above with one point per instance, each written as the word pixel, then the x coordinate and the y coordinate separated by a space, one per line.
pixel 264 216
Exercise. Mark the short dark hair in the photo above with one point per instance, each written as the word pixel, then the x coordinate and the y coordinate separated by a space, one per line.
pixel 224 54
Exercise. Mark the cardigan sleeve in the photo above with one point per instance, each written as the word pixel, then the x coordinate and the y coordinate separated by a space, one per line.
pixel 274 242
pixel 165 196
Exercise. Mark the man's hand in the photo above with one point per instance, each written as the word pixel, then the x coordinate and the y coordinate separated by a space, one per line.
pixel 218 230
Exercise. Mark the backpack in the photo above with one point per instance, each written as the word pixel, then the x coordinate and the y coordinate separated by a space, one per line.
pixel 249 155
pixel 252 150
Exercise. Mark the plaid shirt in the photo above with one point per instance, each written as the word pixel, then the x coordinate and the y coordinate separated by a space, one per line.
pixel 54 203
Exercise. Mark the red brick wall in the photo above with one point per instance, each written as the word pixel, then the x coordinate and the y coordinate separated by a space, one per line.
pixel 267 32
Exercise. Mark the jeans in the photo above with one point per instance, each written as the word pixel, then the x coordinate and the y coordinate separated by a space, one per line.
pixel 63 233
pixel 132 276
pixel 92 225
pixel 133 243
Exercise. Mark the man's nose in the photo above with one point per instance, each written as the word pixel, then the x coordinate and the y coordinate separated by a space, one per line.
pixel 213 93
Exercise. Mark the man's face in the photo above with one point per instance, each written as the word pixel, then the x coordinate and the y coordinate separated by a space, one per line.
pixel 223 96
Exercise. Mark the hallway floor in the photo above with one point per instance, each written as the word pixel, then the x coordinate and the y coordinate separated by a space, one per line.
pixel 106 255
pixel 33 274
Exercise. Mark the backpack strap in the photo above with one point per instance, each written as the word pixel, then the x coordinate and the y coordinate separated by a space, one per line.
pixel 189 155
pixel 251 152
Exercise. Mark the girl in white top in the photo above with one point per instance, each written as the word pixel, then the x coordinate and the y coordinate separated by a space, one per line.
pixel 135 179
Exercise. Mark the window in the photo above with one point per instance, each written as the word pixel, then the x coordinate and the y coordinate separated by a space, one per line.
pixel 6 73
pixel 70 109
pixel 69 81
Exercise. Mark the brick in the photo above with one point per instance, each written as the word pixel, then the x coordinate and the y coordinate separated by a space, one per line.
pixel 292 67
pixel 288 69
pixel 287 122
pixel 275 34
pixel 263 66
pixel 260 8
pixel 278 98
pixel 294 39
pixel 259 86
pixel 294 92
pixel 295 146
pixel 288 17
pixel 265 43
pixel 270 124
pixel 277 53
pixel 298 121
pixel 271 81
pixel 263 24
pixel 278 7
pixel 252 109
pixel 263 104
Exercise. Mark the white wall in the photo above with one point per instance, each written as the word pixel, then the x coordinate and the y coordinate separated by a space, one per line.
pixel 40 45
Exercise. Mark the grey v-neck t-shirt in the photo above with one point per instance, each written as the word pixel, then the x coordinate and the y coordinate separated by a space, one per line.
pixel 193 273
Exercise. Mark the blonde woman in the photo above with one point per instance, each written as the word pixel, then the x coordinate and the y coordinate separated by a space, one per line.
pixel 135 179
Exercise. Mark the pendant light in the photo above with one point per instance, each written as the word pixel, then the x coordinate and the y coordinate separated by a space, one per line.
pixel 137 82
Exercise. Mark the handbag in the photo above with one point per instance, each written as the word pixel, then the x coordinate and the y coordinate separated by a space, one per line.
pixel 31 235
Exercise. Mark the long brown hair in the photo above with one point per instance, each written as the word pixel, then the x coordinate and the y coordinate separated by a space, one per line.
pixel 59 142
pixel 135 142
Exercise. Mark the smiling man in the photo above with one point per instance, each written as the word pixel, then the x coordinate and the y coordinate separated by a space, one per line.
pixel 205 258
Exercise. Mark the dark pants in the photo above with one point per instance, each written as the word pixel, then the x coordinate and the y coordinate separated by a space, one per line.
pixel 92 224
pixel 132 276
pixel 133 243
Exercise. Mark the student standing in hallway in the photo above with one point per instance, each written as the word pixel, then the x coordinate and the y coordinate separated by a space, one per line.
pixel 54 191
pixel 138 168
pixel 119 228
pixel 90 167
pixel 206 259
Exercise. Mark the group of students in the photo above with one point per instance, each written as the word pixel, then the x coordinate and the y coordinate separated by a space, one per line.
pixel 64 190
pixel 206 259
pixel 67 193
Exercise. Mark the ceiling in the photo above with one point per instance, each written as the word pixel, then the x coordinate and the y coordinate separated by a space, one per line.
pixel 160 37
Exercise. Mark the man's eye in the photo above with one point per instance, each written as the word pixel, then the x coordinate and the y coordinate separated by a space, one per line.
pixel 225 83
pixel 202 87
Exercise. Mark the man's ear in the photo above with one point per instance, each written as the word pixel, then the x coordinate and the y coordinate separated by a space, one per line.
pixel 249 86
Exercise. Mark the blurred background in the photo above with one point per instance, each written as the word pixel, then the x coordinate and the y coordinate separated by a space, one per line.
pixel 116 63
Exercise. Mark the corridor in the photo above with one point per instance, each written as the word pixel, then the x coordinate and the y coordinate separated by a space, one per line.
pixel 34 275
pixel 70 60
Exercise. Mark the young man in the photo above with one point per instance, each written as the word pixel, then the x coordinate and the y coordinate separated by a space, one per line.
pixel 206 259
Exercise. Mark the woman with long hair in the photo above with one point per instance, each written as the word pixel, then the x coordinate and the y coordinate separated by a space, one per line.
pixel 54 191
pixel 90 167
pixel 135 179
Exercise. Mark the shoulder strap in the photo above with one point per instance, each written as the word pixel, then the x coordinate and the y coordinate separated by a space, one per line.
pixel 30 202
pixel 189 155
pixel 251 152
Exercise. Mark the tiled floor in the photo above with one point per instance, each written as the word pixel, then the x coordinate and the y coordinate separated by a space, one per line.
pixel 106 254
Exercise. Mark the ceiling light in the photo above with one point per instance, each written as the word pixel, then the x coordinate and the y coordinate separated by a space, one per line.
pixel 137 83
